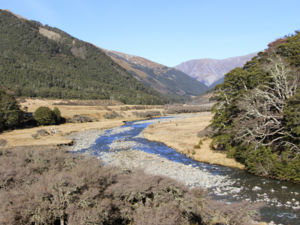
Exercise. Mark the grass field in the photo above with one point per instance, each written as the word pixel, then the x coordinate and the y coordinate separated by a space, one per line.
pixel 96 110
pixel 182 136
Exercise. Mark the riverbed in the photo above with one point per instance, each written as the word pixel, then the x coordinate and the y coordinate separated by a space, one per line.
pixel 126 147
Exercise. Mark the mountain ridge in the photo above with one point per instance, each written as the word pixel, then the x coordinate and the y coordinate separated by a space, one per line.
pixel 210 71
pixel 166 80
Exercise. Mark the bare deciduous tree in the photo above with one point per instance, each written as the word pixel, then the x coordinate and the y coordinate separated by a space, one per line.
pixel 261 119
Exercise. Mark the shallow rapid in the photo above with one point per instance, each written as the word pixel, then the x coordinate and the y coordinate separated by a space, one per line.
pixel 126 146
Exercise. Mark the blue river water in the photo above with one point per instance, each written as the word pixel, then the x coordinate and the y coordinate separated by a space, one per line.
pixel 281 199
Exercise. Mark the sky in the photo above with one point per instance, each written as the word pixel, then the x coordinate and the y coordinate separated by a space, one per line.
pixel 168 31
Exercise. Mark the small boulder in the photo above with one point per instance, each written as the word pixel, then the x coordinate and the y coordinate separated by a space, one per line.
pixel 256 188
pixel 55 131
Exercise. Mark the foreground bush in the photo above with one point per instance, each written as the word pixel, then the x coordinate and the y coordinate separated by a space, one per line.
pixel 48 186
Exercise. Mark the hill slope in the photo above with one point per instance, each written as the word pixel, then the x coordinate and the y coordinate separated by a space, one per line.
pixel 212 71
pixel 41 61
pixel 166 80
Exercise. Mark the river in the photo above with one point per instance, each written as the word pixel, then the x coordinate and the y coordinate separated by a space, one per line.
pixel 281 199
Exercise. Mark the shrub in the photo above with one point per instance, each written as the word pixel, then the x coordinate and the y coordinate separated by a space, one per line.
pixel 44 116
pixel 46 186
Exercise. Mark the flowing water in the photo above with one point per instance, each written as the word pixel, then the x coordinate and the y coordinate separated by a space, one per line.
pixel 282 199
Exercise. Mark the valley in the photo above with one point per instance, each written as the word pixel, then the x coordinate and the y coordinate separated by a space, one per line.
pixel 104 137
pixel 127 147
pixel 148 146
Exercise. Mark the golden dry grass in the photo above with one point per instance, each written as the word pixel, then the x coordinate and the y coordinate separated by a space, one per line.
pixel 23 137
pixel 94 111
pixel 182 136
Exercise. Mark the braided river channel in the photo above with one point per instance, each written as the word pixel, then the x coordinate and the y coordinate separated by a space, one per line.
pixel 281 199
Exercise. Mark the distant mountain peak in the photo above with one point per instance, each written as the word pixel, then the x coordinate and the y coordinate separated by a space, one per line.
pixel 210 71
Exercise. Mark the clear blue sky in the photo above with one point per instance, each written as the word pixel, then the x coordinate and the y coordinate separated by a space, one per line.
pixel 168 31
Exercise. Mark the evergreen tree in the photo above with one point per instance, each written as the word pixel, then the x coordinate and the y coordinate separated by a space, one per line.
pixel 10 113
pixel 257 115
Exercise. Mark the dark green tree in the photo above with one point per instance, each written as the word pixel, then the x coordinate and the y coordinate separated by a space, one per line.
pixel 44 116
pixel 57 114
pixel 257 115
pixel 10 113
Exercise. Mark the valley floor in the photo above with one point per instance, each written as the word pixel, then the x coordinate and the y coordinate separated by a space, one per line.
pixel 181 135
pixel 96 110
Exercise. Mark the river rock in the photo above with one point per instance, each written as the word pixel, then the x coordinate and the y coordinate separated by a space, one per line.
pixel 256 188
pixel 84 139
pixel 153 164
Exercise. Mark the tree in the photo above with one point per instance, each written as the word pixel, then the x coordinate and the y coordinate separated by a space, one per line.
pixel 10 113
pixel 57 114
pixel 257 115
pixel 44 116
pixel 261 117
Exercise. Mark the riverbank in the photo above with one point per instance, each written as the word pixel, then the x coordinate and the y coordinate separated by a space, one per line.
pixel 156 165
pixel 58 134
pixel 119 154
pixel 181 134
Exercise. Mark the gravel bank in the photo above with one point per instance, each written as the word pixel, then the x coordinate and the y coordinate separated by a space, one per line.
pixel 153 164
pixel 84 139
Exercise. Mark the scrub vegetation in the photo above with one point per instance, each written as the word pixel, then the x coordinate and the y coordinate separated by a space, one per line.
pixel 50 186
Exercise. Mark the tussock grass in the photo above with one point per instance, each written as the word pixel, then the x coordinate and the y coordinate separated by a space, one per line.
pixel 182 135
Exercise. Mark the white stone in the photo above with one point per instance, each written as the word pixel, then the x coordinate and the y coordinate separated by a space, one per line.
pixel 256 188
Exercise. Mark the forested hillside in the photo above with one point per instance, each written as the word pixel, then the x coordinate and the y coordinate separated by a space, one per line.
pixel 41 61
pixel 257 117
